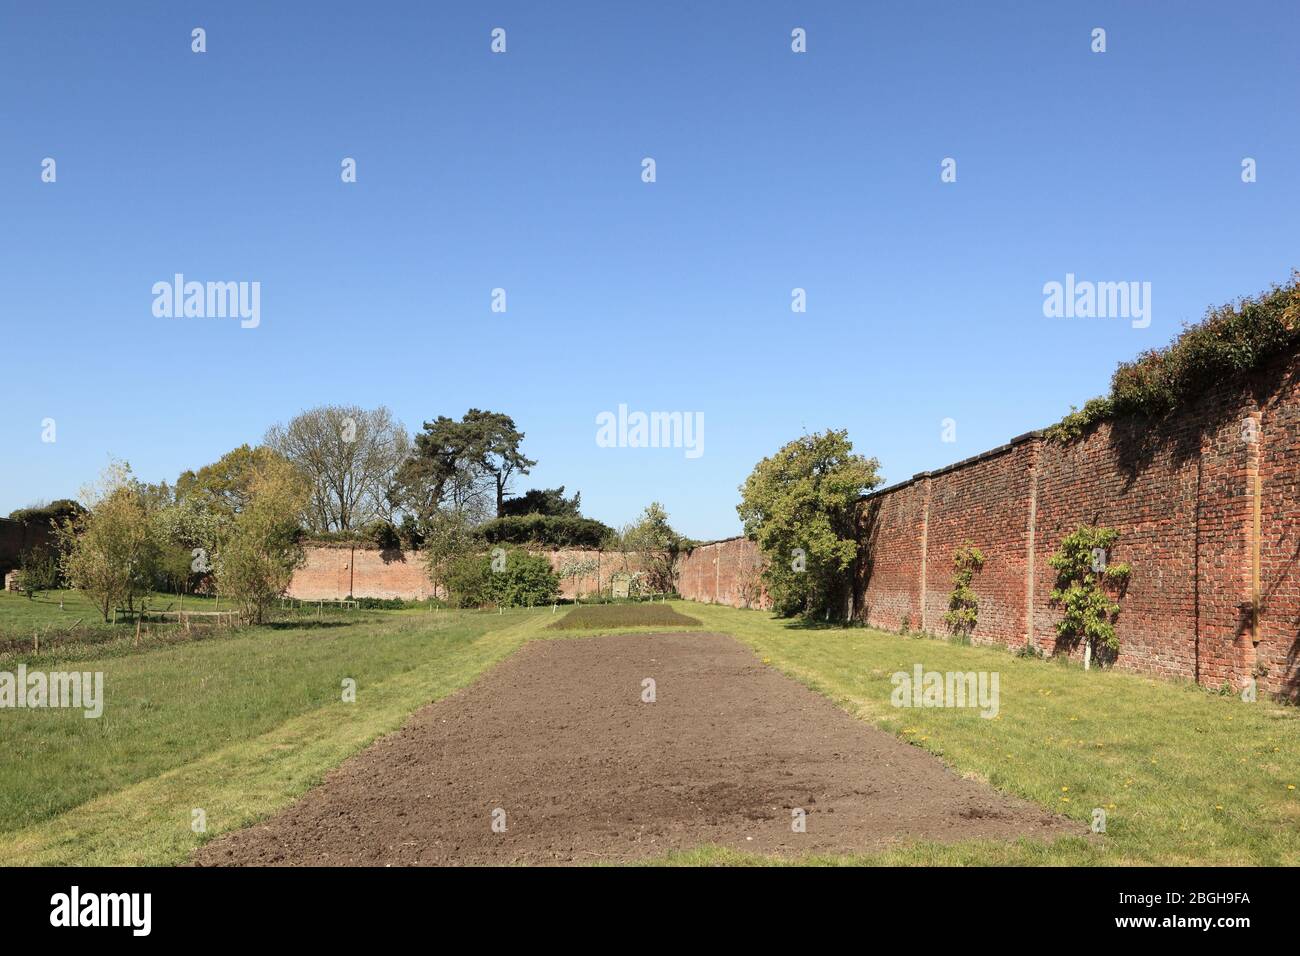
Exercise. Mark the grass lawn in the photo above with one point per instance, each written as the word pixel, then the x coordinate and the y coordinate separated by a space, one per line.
pixel 71 627
pixel 62 609
pixel 240 724
pixel 606 616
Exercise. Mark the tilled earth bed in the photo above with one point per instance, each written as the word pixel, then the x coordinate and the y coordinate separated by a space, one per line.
pixel 554 757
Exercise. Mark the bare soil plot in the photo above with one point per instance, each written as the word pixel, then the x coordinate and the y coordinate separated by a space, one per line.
pixel 559 738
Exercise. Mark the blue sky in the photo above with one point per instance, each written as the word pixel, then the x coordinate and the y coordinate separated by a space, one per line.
pixel 522 171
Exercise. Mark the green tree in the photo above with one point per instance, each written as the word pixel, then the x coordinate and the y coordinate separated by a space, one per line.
pixel 656 544
pixel 256 561
pixel 444 473
pixel 448 536
pixel 493 442
pixel 800 505
pixel 466 580
pixel 111 551
pixel 224 486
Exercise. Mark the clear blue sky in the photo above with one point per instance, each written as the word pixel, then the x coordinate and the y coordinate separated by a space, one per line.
pixel 523 171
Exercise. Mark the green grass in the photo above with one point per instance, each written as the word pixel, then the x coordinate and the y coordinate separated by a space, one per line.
pixel 242 723
pixel 20 614
pixel 1186 777
pixel 612 616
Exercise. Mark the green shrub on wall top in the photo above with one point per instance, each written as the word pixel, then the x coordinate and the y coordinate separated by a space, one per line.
pixel 1229 341
pixel 963 606
pixel 1086 584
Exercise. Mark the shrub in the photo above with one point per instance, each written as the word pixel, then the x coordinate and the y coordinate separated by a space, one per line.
pixel 45 516
pixel 963 607
pixel 465 578
pixel 525 580
pixel 556 531
pixel 38 571
pixel 383 535
pixel 378 604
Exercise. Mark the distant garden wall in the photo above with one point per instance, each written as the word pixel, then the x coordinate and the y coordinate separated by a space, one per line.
pixel 1207 506
pixel 334 571
pixel 718 572
pixel 722 572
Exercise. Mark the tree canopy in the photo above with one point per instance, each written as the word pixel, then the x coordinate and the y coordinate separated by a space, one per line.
pixel 800 506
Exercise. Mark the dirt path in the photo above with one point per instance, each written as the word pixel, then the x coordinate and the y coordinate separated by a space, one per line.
pixel 558 738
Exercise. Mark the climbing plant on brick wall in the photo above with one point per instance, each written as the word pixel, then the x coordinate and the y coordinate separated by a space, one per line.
pixel 1087 588
pixel 963 606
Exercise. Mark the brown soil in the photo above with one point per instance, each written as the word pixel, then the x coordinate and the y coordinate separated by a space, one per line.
pixel 559 738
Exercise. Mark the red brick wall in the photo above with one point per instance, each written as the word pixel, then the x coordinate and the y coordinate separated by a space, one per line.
pixel 715 572
pixel 889 582
pixel 722 572
pixel 986 504
pixel 331 573
pixel 1182 494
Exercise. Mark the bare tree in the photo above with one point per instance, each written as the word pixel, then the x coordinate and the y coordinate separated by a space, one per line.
pixel 350 456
